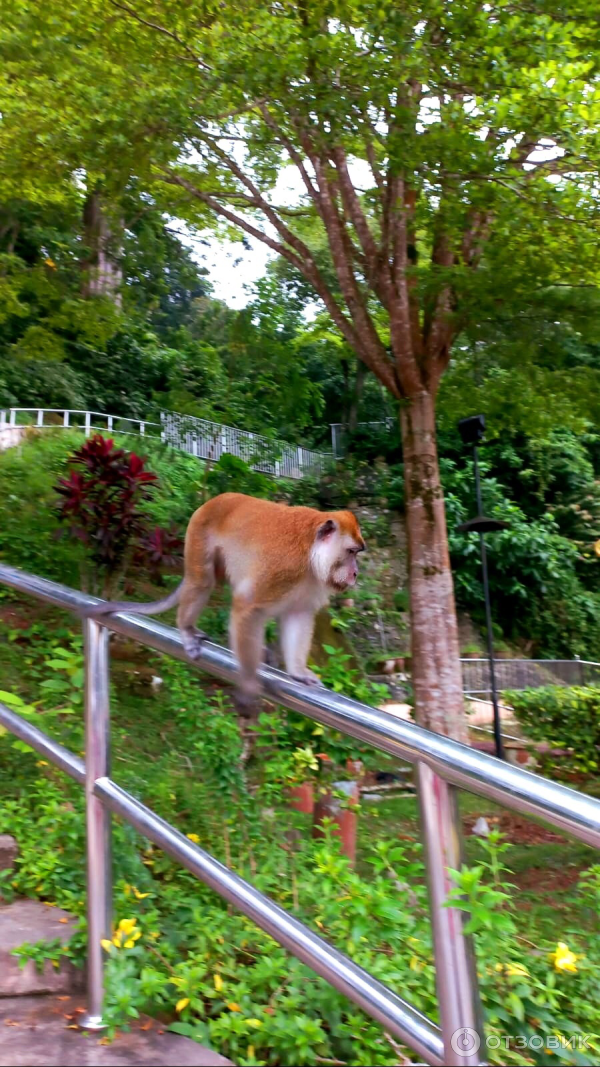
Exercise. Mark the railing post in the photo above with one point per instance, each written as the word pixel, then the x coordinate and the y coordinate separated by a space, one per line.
pixel 65 418
pixel 142 429
pixel 40 417
pixel 97 726
pixel 13 417
pixel 88 420
pixel 455 969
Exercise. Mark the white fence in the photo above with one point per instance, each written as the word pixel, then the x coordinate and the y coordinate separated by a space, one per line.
pixel 197 437
pixel 527 674
pixel 211 440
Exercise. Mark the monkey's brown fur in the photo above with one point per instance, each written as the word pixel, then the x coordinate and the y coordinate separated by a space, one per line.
pixel 281 562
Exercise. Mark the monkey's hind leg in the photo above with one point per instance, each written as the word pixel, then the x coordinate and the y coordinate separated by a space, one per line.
pixel 194 598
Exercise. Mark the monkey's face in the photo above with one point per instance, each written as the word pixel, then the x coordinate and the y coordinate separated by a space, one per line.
pixel 345 570
pixel 335 554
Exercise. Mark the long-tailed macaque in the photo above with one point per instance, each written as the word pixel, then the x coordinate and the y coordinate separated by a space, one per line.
pixel 281 562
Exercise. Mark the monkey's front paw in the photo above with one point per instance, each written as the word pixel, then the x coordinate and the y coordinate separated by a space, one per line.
pixel 192 643
pixel 307 678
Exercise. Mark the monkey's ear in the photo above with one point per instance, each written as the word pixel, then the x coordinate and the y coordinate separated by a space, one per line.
pixel 326 529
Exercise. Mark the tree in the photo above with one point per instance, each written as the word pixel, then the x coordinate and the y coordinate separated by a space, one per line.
pixel 447 108
pixel 446 151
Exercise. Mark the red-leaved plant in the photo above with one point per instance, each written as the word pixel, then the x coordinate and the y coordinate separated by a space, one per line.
pixel 159 550
pixel 100 502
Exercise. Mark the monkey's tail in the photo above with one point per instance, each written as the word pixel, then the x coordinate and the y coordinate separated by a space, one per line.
pixel 155 607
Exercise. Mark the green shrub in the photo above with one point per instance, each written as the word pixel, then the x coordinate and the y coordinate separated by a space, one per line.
pixel 28 521
pixel 567 718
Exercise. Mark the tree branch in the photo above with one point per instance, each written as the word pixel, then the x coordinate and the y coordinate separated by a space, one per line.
pixel 160 29
pixel 293 154
pixel 374 353
pixel 284 231
pixel 308 269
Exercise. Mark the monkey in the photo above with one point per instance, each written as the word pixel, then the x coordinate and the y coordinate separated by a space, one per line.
pixel 282 562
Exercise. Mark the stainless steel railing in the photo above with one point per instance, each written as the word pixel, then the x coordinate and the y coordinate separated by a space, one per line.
pixel 442 765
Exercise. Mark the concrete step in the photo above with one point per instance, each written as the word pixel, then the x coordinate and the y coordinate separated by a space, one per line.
pixel 31 921
pixel 36 1032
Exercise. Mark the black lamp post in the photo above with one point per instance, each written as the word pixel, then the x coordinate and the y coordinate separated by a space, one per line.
pixel 471 431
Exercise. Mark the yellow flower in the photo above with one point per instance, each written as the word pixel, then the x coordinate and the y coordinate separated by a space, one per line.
pixel 233 1006
pixel 181 1004
pixel 106 945
pixel 42 763
pixel 563 958
pixel 126 935
pixel 50 263
pixel 255 1023
pixel 251 1052
pixel 218 982
pixel 138 895
pixel 517 969
pixel 513 969
pixel 194 838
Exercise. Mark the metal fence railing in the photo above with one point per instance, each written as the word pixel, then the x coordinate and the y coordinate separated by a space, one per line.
pixel 211 440
pixel 198 437
pixel 527 674
pixel 441 764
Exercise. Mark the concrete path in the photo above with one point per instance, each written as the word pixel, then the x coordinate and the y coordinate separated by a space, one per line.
pixel 35 1032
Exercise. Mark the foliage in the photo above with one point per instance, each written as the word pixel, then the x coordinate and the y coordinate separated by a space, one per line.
pixel 565 718
pixel 515 985
pixel 339 676
pixel 179 952
pixel 158 550
pixel 100 503
pixel 535 586
pixel 29 523
pixel 528 368
pixel 232 475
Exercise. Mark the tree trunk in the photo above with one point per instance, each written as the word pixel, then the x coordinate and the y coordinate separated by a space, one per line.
pixel 436 672
pixel 103 275
pixel 359 384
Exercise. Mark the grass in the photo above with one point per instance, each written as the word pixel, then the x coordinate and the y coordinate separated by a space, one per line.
pixel 151 757
pixel 544 872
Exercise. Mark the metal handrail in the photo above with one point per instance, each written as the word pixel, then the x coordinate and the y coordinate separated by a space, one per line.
pixel 442 765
